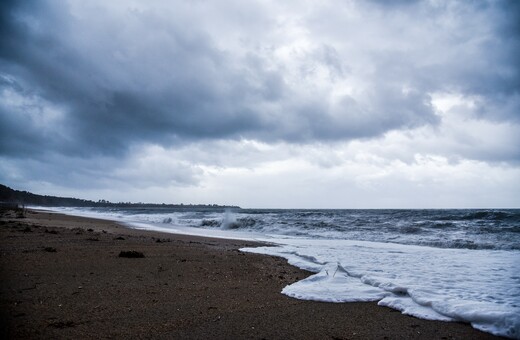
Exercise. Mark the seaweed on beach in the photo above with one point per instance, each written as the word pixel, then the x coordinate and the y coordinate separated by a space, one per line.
pixel 131 254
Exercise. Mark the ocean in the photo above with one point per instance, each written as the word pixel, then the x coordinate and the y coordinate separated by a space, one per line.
pixel 449 265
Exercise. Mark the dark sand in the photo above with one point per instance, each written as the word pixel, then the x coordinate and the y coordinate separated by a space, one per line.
pixel 61 280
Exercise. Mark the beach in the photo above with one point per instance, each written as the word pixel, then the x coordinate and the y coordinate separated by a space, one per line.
pixel 63 277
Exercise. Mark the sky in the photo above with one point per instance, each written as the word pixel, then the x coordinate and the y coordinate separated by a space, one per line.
pixel 263 104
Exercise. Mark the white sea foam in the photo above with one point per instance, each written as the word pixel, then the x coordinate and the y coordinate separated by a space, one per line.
pixel 477 286
pixel 229 221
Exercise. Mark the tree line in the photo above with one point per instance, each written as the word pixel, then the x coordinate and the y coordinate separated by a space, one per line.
pixel 11 196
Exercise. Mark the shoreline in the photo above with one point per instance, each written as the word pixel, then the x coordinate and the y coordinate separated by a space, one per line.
pixel 62 277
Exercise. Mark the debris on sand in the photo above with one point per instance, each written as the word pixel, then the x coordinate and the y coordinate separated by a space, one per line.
pixel 131 254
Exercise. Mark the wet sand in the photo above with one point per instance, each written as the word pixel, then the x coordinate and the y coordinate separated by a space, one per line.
pixel 62 278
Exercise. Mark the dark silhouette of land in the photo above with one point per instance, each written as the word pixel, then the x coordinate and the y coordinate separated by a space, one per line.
pixel 10 197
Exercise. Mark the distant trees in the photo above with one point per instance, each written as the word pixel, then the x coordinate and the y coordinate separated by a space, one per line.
pixel 9 195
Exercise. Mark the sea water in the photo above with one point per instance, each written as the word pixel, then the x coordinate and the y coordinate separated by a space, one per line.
pixel 449 265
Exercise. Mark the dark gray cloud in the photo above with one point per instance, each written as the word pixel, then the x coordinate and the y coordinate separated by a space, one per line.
pixel 146 78
pixel 187 93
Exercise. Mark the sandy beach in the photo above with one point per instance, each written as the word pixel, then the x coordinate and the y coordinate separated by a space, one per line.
pixel 63 277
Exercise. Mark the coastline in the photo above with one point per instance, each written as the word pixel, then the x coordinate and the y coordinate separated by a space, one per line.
pixel 62 278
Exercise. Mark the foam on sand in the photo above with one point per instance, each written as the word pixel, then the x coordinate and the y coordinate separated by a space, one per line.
pixel 474 286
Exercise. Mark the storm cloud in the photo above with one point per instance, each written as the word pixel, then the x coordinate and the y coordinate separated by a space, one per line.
pixel 92 85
